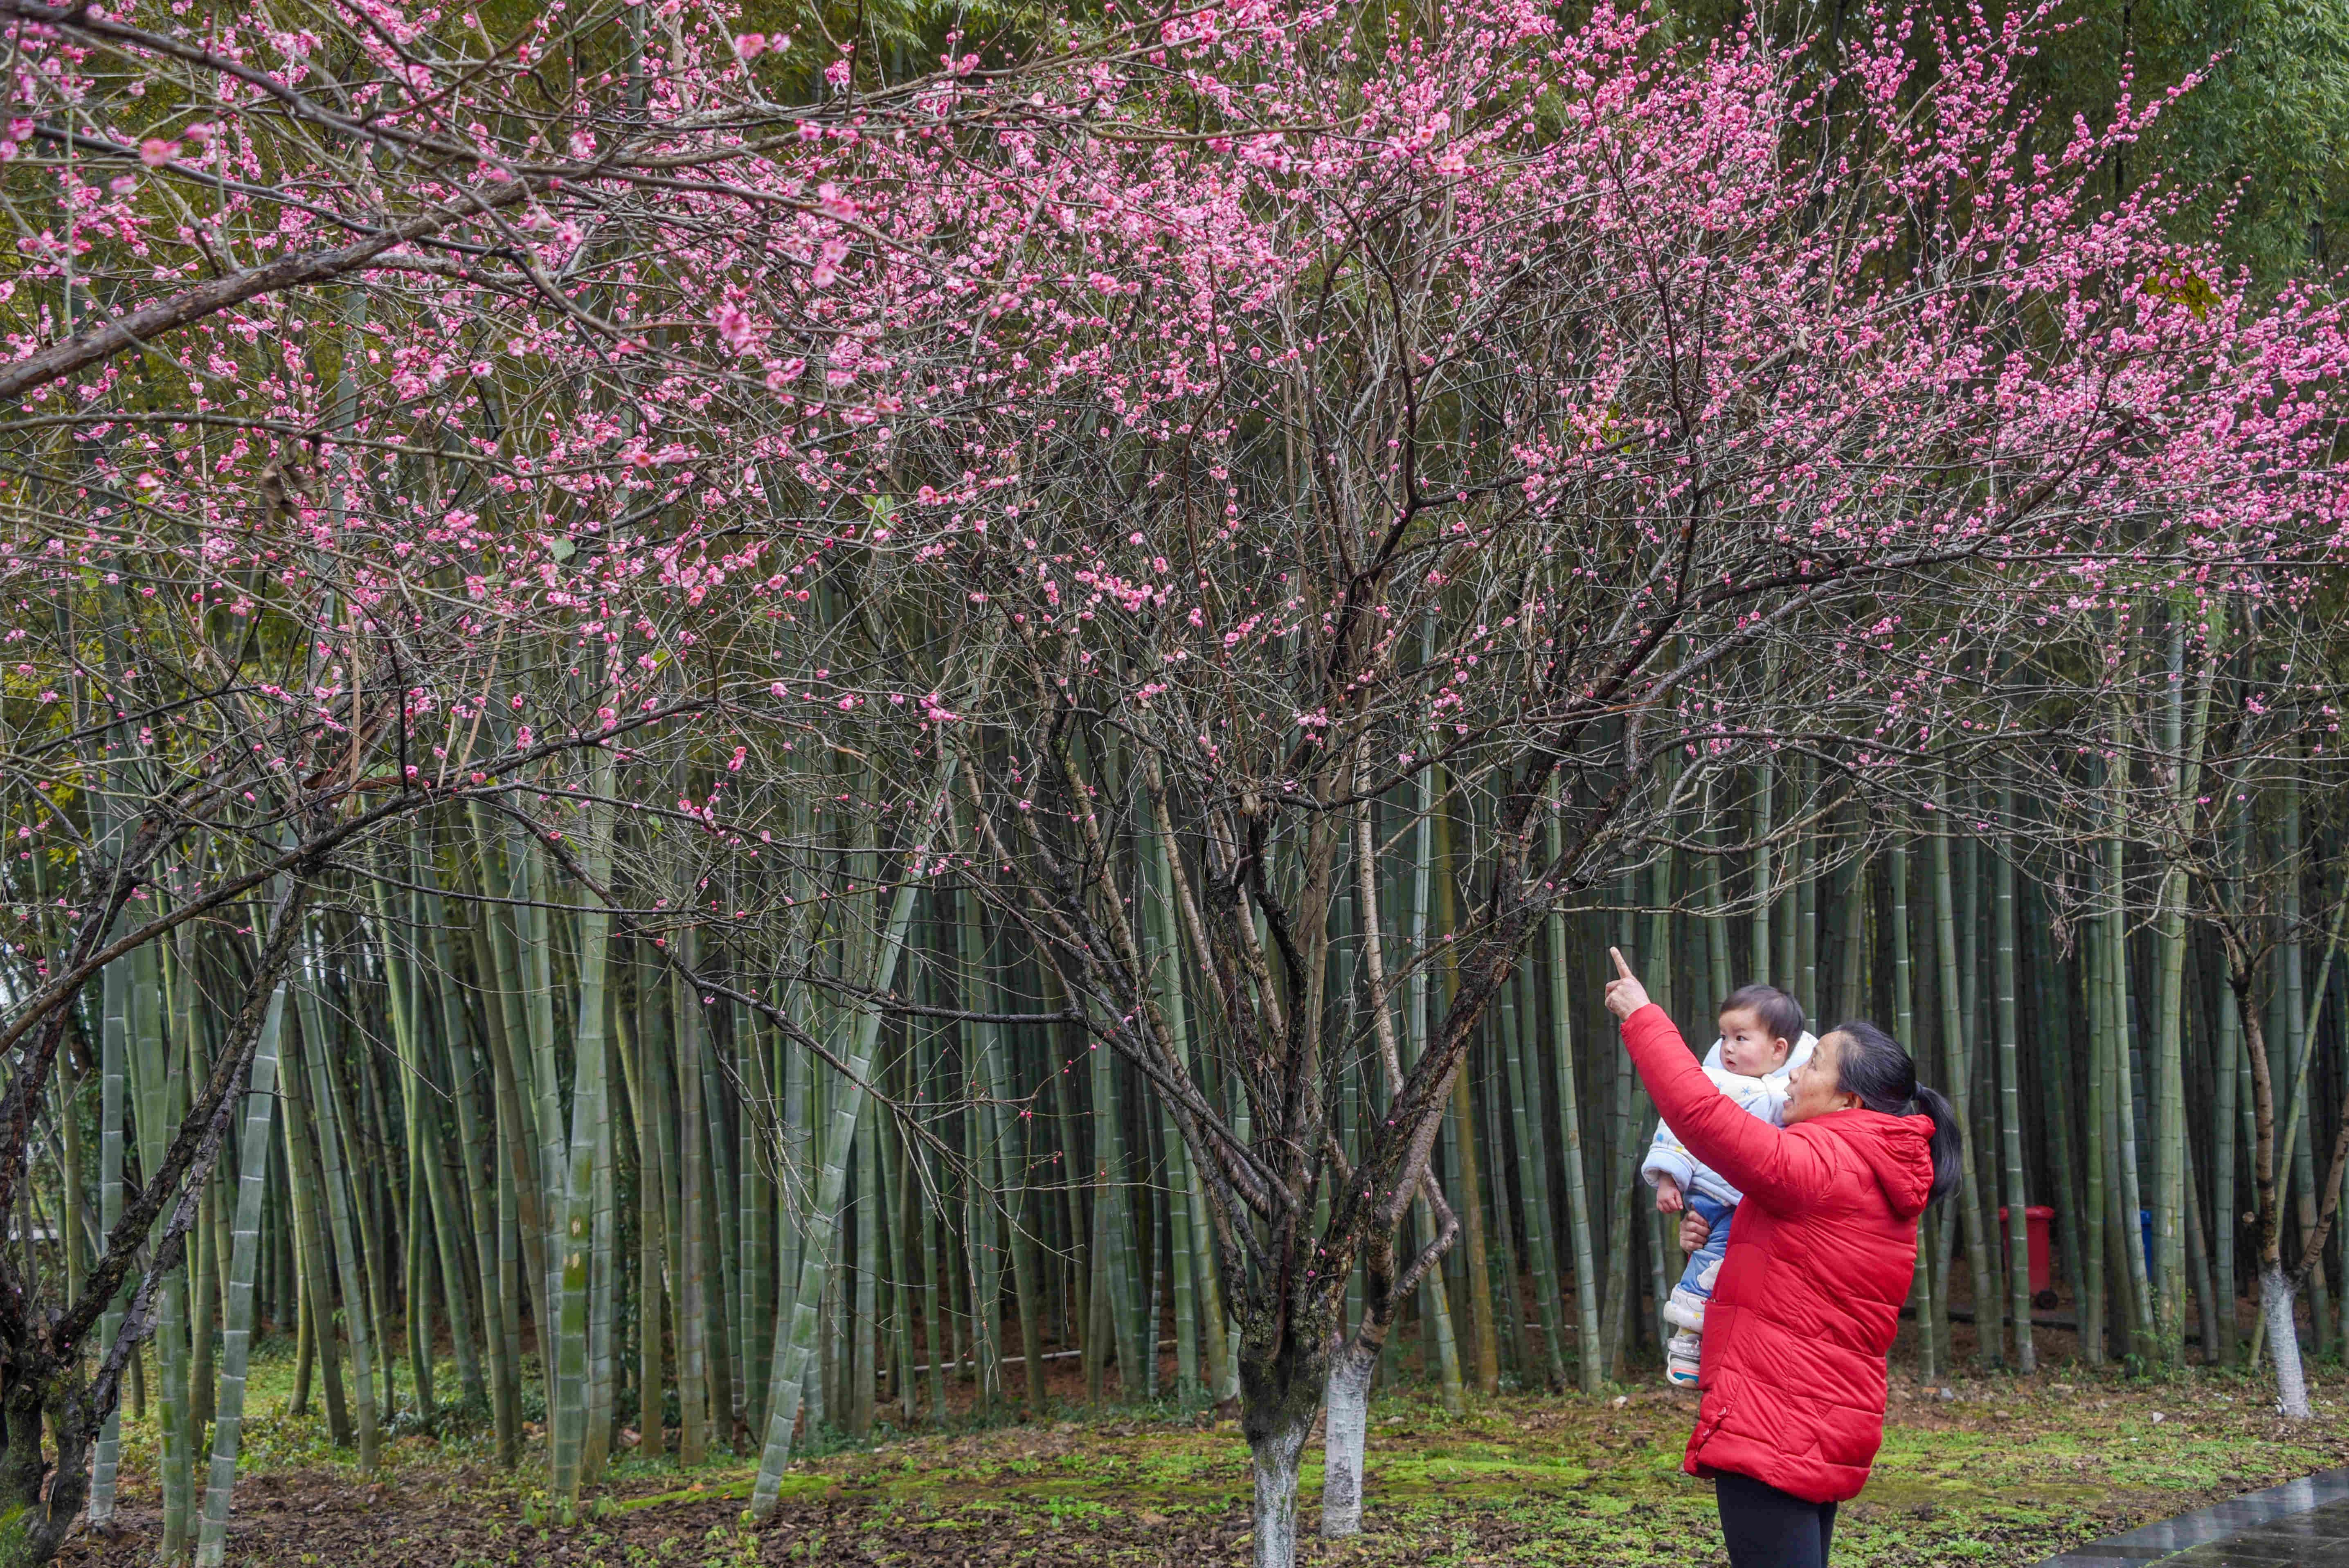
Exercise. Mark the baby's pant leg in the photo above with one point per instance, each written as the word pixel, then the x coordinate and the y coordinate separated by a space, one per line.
pixel 1704 1263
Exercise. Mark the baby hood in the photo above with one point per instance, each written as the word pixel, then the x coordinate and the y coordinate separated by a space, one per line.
pixel 1794 1058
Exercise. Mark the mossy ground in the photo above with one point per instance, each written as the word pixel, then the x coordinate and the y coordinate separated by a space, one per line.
pixel 2008 1471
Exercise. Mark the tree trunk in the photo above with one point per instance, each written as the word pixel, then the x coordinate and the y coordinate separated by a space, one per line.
pixel 1281 1387
pixel 2276 1303
pixel 1343 1435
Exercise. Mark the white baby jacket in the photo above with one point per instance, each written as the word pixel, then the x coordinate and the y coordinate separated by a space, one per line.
pixel 1763 1097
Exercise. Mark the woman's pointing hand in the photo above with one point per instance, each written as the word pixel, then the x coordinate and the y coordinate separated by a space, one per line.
pixel 1625 994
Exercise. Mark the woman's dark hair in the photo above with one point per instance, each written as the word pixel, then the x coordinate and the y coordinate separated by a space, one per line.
pixel 1873 1065
pixel 1780 1014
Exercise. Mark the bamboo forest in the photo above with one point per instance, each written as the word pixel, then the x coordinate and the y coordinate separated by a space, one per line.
pixel 800 783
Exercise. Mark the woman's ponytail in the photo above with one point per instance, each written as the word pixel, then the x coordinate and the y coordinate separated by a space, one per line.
pixel 1873 1065
pixel 1947 1168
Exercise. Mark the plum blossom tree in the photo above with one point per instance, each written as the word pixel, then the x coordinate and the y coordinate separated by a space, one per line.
pixel 372 463
pixel 1350 421
pixel 1228 442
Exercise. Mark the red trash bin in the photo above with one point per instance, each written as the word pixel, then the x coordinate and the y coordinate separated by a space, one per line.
pixel 2036 1217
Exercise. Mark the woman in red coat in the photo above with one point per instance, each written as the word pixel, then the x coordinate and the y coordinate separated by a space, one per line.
pixel 1820 1259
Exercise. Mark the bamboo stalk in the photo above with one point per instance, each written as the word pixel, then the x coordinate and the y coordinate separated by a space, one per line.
pixel 864 1387
pixel 2124 1096
pixel 2095 1315
pixel 118 983
pixel 1533 1167
pixel 260 1102
pixel 795 1336
pixel 652 1225
pixel 2009 1091
pixel 987 1038
pixel 1932 1310
pixel 1955 1057
pixel 2229 1068
pixel 475 1135
pixel 1483 1341
pixel 692 1309
pixel 304 1186
pixel 1588 1370
pixel 155 1083
pixel 1194 1283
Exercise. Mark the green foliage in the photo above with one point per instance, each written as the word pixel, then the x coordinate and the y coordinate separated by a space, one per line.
pixel 2259 147
pixel 2262 140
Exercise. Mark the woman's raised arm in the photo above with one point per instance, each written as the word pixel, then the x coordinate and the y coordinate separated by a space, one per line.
pixel 1760 1159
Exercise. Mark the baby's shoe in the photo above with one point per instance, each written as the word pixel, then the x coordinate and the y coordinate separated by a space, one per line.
pixel 1683 1355
pixel 1685 1308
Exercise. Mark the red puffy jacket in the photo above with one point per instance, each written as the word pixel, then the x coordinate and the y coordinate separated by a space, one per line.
pixel 1819 1262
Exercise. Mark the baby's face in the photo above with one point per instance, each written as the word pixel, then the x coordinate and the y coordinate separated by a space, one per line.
pixel 1747 1048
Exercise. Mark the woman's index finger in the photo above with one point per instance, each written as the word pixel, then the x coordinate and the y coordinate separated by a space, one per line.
pixel 1621 968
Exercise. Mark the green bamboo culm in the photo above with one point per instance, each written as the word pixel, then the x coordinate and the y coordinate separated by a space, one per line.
pixel 120 984
pixel 2119 1021
pixel 236 1340
pixel 1956 1058
pixel 327 1122
pixel 1435 1296
pixel 1930 1337
pixel 1588 1369
pixel 1163 947
pixel 590 1135
pixel 158 1089
pixel 1533 1167
pixel 795 1332
pixel 2010 1093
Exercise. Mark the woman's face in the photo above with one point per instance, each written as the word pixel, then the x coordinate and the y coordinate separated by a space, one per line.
pixel 1814 1089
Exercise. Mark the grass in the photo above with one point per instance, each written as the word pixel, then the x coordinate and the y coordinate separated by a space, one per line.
pixel 2007 1471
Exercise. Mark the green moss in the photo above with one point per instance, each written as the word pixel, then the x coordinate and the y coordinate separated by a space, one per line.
pixel 16 1551
pixel 2010 1472
pixel 794 1487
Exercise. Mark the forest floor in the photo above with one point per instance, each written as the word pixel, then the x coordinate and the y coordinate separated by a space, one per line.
pixel 2001 1471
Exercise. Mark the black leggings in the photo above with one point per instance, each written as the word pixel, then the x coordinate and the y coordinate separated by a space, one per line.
pixel 1766 1528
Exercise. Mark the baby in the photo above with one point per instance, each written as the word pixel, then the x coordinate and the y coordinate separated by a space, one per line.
pixel 1762 1043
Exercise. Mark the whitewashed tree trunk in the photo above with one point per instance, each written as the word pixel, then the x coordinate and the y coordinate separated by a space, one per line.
pixel 2283 1341
pixel 1342 1440
pixel 1277 1456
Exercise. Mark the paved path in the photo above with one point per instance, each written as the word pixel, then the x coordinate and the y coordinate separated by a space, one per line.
pixel 2304 1523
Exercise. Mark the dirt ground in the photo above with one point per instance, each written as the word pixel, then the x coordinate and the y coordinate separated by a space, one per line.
pixel 1995 1471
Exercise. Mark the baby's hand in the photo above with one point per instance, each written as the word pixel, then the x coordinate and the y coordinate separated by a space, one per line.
pixel 1668 1195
